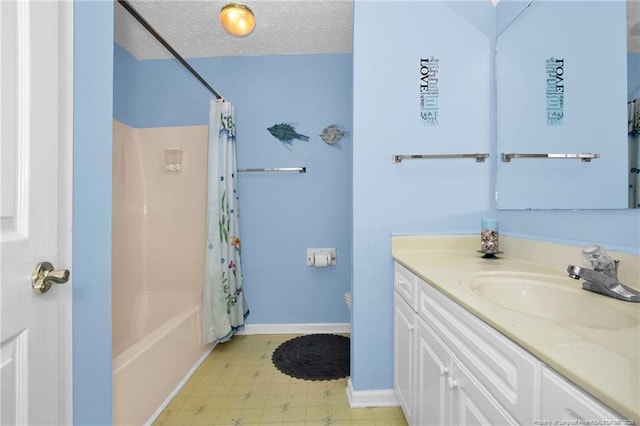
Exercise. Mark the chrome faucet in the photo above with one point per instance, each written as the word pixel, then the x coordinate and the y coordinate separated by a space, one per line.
pixel 603 278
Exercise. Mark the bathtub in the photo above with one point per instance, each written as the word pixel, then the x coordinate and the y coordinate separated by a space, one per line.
pixel 161 347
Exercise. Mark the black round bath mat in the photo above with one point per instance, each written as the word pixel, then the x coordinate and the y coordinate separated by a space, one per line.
pixel 314 357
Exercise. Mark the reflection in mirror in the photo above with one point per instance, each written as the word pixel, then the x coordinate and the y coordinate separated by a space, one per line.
pixel 561 89
pixel 633 106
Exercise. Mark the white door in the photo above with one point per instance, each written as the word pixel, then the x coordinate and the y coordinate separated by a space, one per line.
pixel 35 136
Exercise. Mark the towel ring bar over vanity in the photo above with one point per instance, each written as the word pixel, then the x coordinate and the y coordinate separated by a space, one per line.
pixel 585 157
pixel 276 169
pixel 480 157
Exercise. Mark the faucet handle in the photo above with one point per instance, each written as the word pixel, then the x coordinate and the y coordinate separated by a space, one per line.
pixel 598 258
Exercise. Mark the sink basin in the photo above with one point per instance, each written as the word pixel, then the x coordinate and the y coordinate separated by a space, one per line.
pixel 552 297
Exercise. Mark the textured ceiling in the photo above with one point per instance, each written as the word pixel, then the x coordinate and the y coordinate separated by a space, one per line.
pixel 192 28
pixel 283 27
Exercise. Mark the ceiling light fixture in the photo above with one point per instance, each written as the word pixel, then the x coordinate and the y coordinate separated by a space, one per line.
pixel 237 19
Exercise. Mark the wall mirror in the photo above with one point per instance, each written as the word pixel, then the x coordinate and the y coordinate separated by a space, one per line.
pixel 563 137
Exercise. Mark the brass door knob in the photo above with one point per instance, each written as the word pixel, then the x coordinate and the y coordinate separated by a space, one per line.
pixel 44 276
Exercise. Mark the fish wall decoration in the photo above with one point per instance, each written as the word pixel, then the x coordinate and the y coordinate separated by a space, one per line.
pixel 286 133
pixel 332 134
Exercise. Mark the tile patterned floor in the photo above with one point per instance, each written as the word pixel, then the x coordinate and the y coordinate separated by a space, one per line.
pixel 238 385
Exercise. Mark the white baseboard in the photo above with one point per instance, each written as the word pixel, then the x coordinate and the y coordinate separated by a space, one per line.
pixel 295 328
pixel 371 398
pixel 175 391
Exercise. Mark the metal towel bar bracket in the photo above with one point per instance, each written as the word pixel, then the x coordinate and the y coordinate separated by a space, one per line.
pixel 585 157
pixel 479 157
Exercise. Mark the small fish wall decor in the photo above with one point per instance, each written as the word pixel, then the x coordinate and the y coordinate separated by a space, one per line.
pixel 286 133
pixel 332 134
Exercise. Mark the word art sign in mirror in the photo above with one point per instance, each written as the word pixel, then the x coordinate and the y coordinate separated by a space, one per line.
pixel 561 77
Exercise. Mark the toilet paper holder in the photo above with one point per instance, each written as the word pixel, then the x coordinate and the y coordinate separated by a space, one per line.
pixel 316 257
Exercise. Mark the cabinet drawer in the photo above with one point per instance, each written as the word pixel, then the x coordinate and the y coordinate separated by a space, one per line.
pixel 562 400
pixel 506 370
pixel 405 283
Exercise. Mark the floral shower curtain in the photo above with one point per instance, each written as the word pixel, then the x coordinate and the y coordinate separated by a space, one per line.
pixel 633 108
pixel 224 307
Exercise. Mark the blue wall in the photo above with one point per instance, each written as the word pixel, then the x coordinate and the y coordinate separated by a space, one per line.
pixel 614 229
pixel 92 110
pixel 282 213
pixel 416 196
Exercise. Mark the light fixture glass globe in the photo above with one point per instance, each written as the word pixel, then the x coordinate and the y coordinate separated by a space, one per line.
pixel 237 19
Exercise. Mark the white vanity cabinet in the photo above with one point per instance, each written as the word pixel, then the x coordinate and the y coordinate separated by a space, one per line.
pixel 453 369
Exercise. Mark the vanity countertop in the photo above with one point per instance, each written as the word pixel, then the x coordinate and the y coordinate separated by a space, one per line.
pixel 603 361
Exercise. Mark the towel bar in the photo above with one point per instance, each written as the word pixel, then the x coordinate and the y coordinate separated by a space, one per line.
pixel 276 169
pixel 480 157
pixel 585 157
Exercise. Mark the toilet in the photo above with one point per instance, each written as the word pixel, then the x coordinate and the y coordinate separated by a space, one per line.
pixel 347 298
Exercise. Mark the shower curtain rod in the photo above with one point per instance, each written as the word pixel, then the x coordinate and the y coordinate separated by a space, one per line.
pixel 166 44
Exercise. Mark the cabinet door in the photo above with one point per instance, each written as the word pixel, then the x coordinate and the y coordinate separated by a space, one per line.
pixel 472 403
pixel 403 354
pixel 433 368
